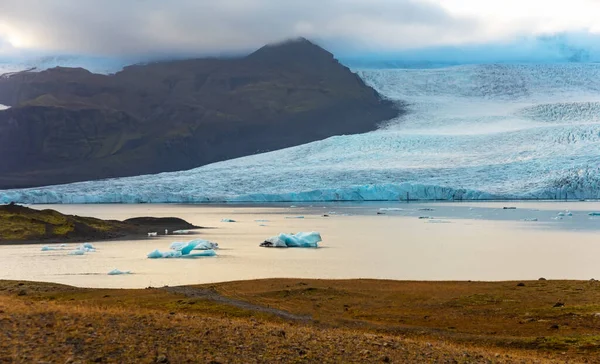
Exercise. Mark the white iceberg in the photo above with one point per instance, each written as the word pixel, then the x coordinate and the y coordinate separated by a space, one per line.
pixel 152 235
pixel 87 247
pixel 561 214
pixel 116 272
pixel 227 220
pixel 181 232
pixel 299 240
pixel 198 244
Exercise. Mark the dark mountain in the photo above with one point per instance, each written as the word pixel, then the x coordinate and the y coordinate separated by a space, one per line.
pixel 67 124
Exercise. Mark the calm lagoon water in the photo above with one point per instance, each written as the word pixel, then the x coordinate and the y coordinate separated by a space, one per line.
pixel 462 241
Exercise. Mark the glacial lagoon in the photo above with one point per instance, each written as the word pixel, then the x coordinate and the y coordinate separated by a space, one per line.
pixel 415 241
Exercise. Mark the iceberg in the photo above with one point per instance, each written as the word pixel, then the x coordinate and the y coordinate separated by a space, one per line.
pixel 205 253
pixel 227 220
pixel 391 209
pixel 295 217
pixel 87 247
pixel 299 240
pixel 116 272
pixel 198 244
pixel 77 252
pixel 181 232
pixel 594 214
pixel 152 235
pixel 47 248
pixel 156 254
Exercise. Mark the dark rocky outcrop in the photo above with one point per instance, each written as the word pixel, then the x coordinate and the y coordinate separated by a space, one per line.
pixel 67 124
pixel 20 224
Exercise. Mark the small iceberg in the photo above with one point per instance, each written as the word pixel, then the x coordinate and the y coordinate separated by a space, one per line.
pixel 198 244
pixel 49 248
pixel 157 254
pixel 227 220
pixel 439 221
pixel 77 252
pixel 391 209
pixel 594 214
pixel 509 208
pixel 182 232
pixel 531 219
pixel 295 217
pixel 116 272
pixel 299 240
pixel 261 220
pixel 87 247
pixel 561 214
pixel 425 217
pixel 152 235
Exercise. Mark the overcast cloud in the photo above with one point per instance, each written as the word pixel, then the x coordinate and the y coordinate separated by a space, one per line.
pixel 134 27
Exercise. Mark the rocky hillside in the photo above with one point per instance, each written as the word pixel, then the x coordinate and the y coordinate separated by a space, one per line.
pixel 67 124
pixel 20 224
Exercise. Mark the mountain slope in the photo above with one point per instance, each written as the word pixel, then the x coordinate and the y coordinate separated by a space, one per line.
pixel 67 124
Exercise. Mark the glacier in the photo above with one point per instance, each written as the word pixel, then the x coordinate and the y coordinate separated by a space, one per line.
pixel 473 132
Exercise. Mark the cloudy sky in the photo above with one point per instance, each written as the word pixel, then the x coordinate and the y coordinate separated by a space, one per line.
pixel 133 27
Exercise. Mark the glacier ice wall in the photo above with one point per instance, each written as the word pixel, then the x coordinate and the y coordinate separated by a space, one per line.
pixel 473 132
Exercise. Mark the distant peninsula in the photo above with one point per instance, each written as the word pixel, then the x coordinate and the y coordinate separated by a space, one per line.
pixel 20 225
pixel 67 124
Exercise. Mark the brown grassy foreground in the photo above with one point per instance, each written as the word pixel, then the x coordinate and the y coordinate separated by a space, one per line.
pixel 293 320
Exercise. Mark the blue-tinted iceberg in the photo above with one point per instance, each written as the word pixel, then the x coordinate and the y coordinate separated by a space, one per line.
pixel 197 244
pixel 116 272
pixel 299 240
pixel 228 220
pixel 47 248
pixel 77 252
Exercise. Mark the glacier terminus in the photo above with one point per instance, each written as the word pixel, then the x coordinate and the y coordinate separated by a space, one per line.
pixel 494 131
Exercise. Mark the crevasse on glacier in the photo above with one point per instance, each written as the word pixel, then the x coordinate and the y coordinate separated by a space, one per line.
pixel 473 132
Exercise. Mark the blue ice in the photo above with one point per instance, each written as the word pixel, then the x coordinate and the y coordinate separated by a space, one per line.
pixel 299 240
pixel 116 272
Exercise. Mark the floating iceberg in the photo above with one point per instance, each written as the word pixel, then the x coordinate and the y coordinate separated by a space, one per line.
pixel 116 272
pixel 530 220
pixel 204 253
pixel 391 209
pixel 181 232
pixel 47 248
pixel 228 220
pixel 299 240
pixel 77 252
pixel 152 235
pixel 198 244
pixel 295 217
pixel 87 247
pixel 261 220
pixel 594 214
pixel 168 254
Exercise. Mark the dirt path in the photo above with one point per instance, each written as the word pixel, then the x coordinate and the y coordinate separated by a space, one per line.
pixel 212 295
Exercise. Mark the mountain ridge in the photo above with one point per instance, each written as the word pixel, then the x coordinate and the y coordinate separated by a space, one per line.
pixel 68 124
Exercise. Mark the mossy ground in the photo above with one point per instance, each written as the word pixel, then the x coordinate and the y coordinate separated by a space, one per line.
pixel 352 321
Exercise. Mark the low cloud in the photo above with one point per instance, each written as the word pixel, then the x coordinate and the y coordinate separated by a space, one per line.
pixel 133 27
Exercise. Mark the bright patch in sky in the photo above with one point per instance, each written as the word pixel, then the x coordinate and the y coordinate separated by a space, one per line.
pixel 343 26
